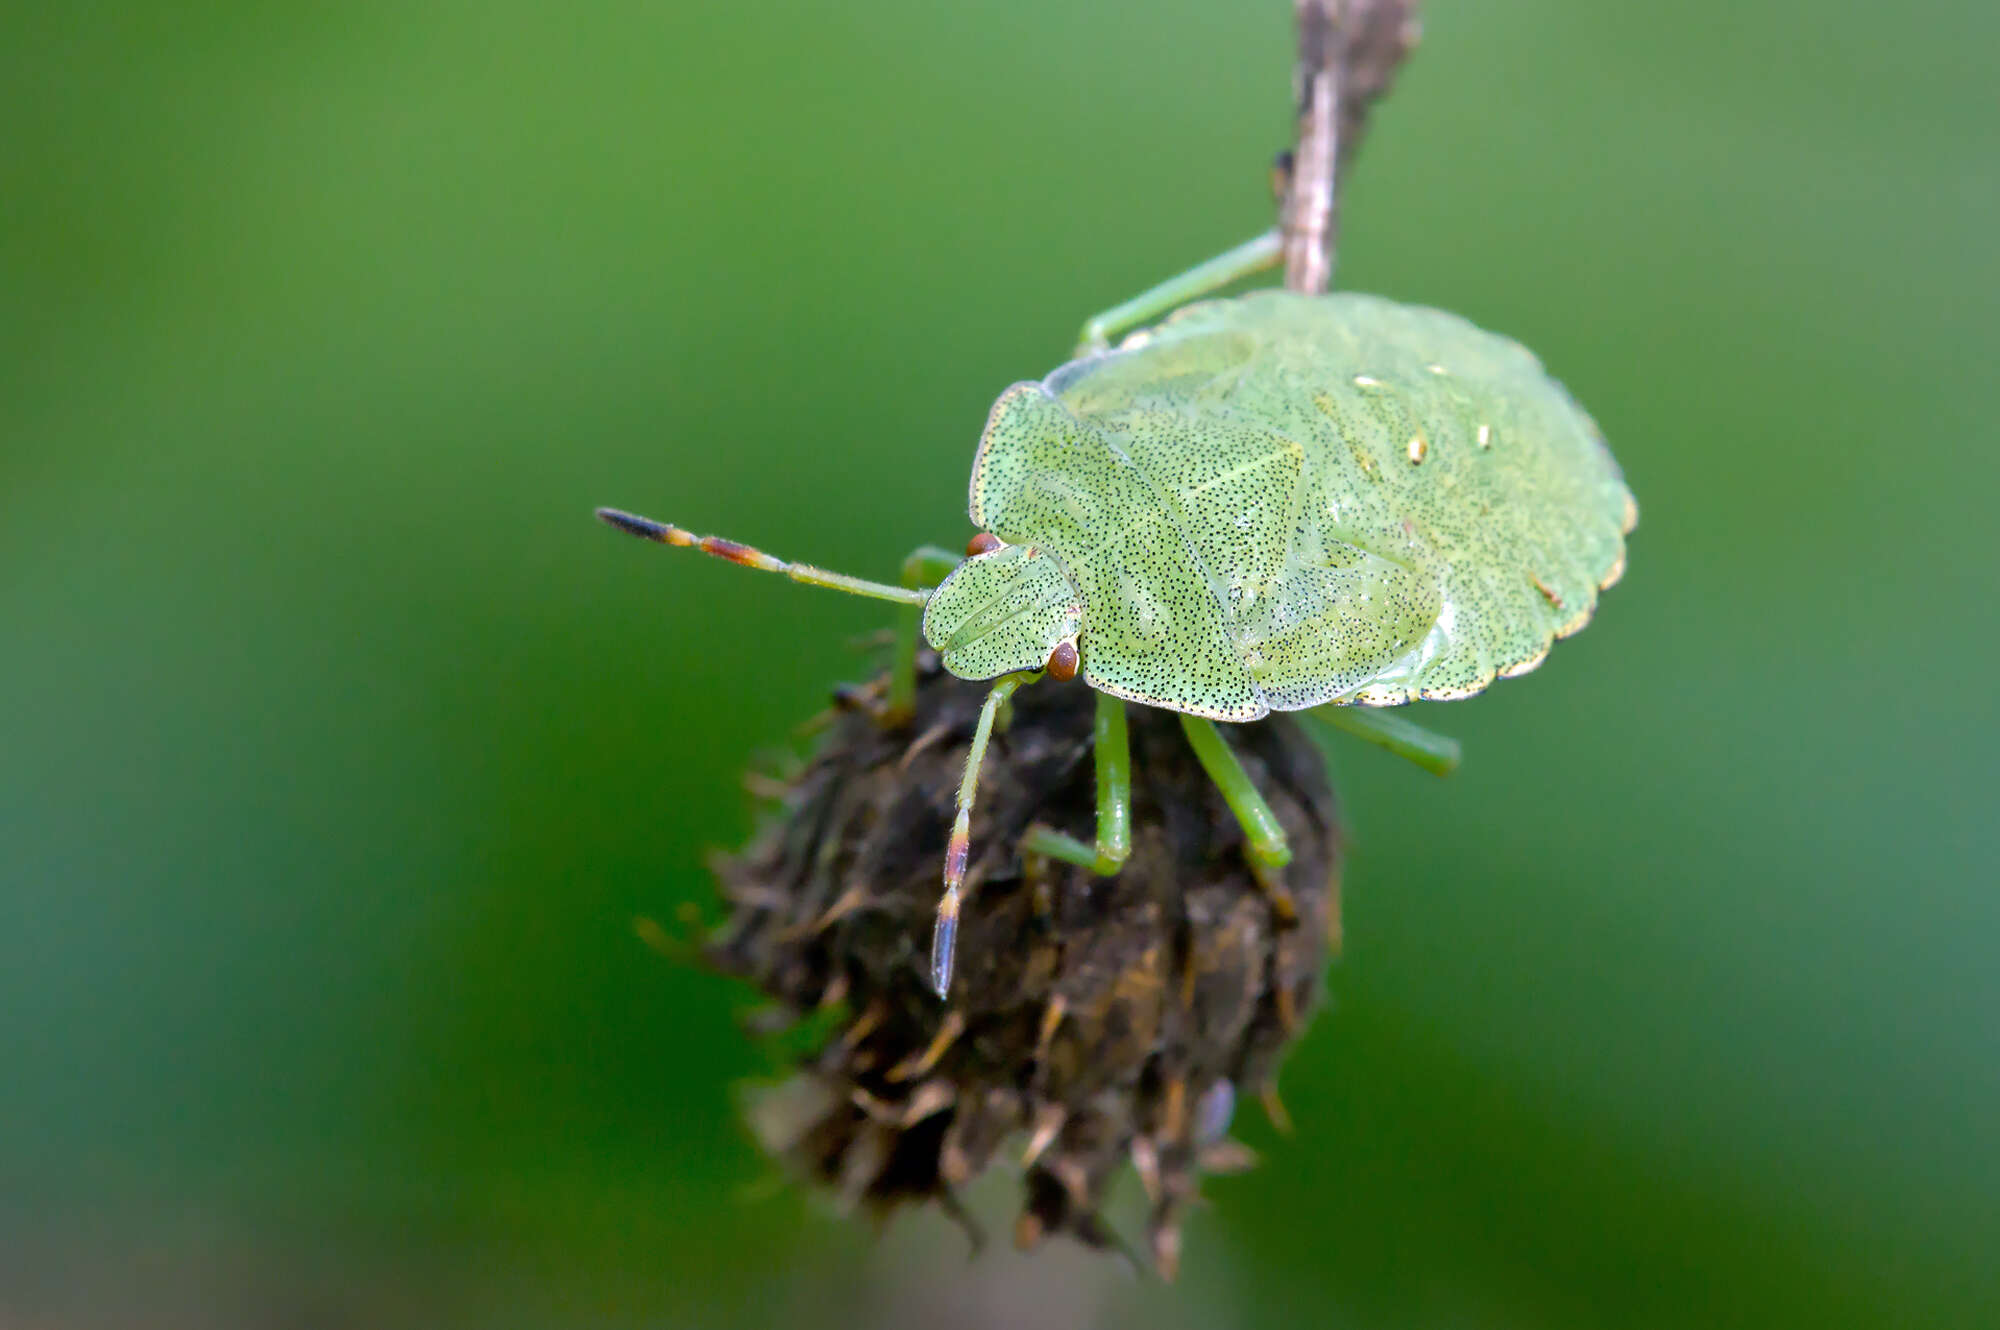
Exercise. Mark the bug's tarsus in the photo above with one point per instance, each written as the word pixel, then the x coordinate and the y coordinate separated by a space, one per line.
pixel 1264 838
pixel 1112 750
pixel 1044 841
pixel 944 942
pixel 1252 256
pixel 1436 753
pixel 944 934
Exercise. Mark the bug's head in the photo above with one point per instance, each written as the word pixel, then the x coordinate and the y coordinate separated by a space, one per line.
pixel 1007 608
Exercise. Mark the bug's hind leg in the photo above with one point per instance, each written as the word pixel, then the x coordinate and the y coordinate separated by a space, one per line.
pixel 1265 846
pixel 1112 749
pixel 1253 256
pixel 1435 753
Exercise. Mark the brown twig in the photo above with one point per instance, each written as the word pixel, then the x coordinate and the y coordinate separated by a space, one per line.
pixel 1348 54
pixel 1307 216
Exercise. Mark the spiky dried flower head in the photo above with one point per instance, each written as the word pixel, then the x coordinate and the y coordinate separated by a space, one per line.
pixel 1095 1021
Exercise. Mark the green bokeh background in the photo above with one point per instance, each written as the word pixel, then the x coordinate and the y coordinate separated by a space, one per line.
pixel 338 747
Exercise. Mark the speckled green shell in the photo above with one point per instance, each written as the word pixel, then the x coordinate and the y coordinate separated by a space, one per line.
pixel 1278 501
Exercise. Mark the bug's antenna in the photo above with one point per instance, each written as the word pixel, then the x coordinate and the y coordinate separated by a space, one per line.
pixel 666 533
pixel 944 936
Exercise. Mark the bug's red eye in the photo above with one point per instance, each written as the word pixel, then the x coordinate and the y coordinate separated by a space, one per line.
pixel 1062 662
pixel 983 543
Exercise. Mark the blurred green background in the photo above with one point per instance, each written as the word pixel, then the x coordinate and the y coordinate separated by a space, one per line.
pixel 338 747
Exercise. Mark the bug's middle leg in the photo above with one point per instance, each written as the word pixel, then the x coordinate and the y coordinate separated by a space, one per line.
pixel 1112 749
pixel 1265 845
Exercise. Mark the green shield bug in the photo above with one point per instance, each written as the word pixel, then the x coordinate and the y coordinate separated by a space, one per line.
pixel 1275 502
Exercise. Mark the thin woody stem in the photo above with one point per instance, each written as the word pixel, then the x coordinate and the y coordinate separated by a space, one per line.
pixel 1349 52
pixel 1307 216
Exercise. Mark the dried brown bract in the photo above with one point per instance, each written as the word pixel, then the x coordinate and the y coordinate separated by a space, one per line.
pixel 1094 1021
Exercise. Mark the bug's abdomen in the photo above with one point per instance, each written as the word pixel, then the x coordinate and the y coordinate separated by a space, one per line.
pixel 1279 501
pixel 1438 458
pixel 1491 481
pixel 1309 617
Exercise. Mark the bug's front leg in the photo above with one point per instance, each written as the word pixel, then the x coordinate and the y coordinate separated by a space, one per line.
pixel 1265 847
pixel 926 567
pixel 1112 749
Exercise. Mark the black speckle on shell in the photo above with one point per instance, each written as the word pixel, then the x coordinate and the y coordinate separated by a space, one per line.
pixel 1092 1019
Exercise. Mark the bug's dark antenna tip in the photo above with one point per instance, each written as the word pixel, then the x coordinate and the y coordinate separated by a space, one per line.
pixel 643 527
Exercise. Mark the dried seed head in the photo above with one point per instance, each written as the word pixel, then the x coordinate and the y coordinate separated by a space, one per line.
pixel 1093 1021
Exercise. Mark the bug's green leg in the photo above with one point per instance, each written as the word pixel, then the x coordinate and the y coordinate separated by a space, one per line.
pixel 1252 256
pixel 1435 753
pixel 1112 748
pixel 944 936
pixel 1267 849
pixel 926 567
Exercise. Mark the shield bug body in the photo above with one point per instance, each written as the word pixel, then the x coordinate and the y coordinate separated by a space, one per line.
pixel 1275 502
